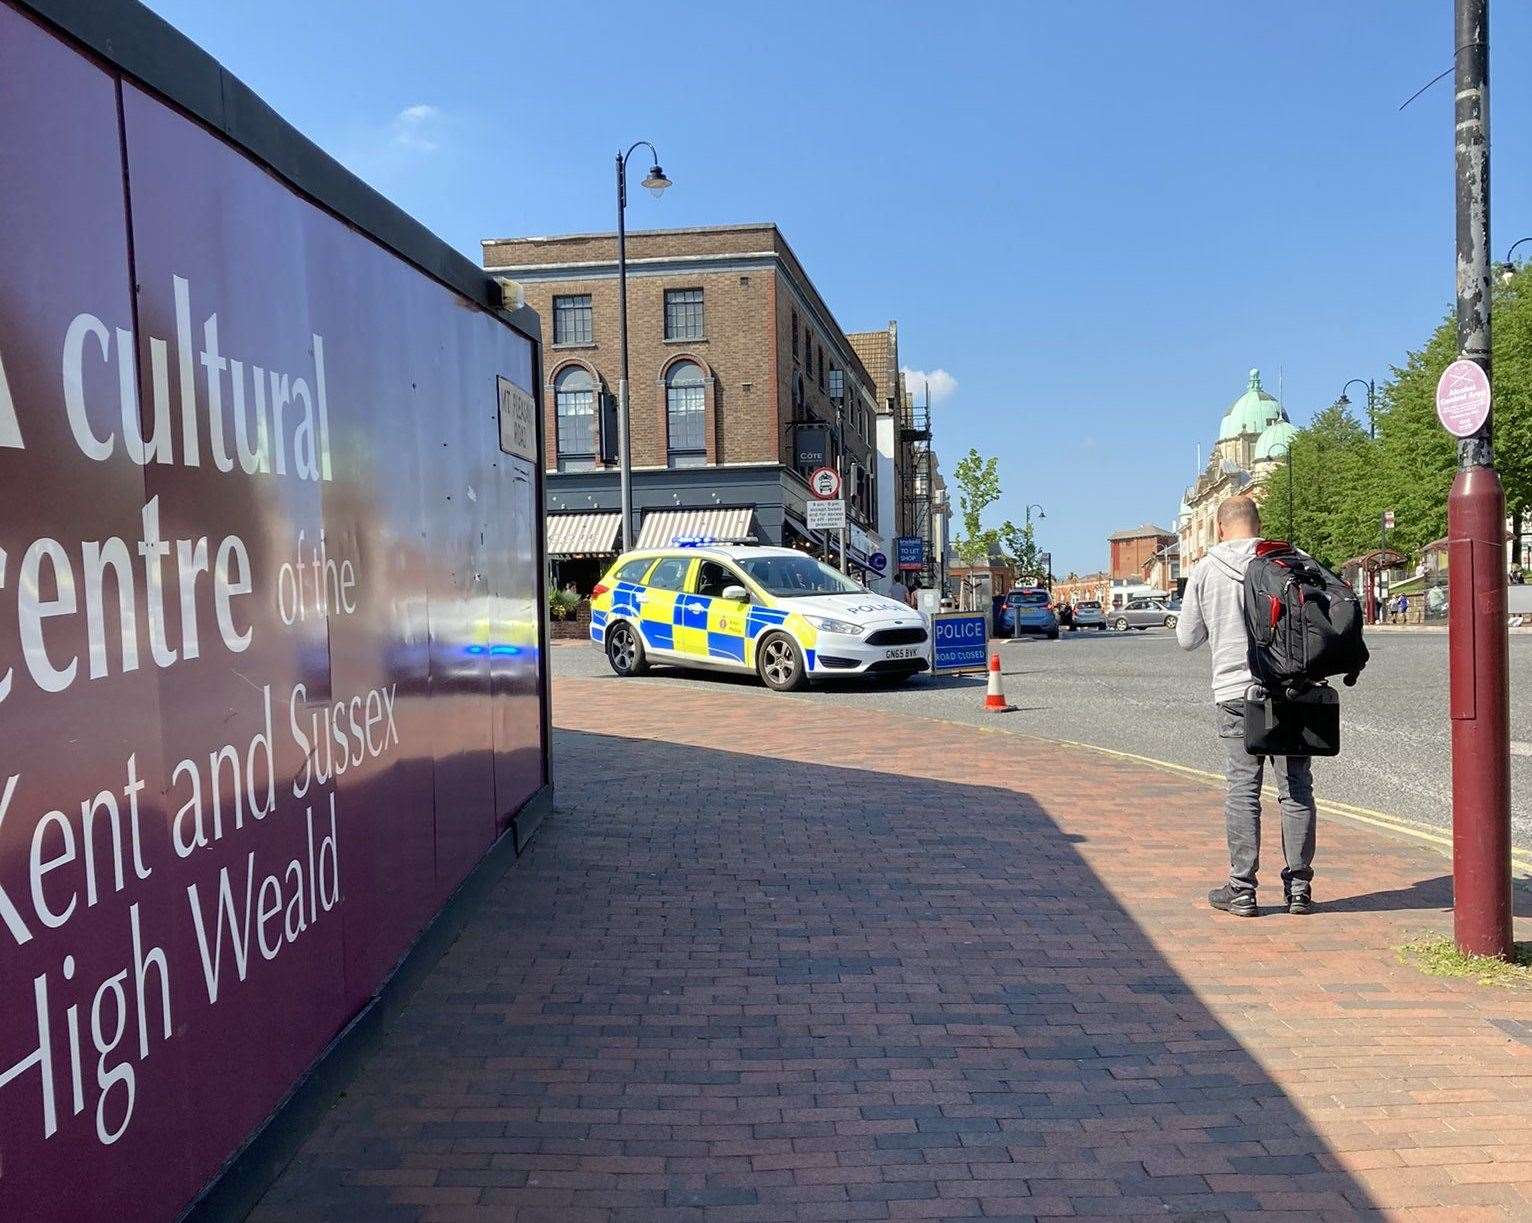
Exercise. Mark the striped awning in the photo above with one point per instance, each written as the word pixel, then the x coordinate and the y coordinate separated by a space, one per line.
pixel 661 527
pixel 571 535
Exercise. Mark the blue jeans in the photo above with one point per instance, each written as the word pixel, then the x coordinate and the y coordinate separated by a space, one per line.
pixel 1242 808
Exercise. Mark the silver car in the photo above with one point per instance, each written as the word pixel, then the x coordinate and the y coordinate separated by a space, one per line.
pixel 1088 614
pixel 1142 614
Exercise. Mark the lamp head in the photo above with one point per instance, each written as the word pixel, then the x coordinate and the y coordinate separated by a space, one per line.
pixel 656 182
pixel 1506 271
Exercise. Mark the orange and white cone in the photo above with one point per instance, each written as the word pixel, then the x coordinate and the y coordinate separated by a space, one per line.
pixel 995 701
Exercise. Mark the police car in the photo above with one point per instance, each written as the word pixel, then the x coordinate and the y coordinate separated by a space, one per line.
pixel 736 607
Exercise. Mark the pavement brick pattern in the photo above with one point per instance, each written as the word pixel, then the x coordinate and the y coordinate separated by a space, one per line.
pixel 953 974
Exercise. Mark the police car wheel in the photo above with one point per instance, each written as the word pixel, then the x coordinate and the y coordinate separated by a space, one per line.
pixel 780 663
pixel 625 650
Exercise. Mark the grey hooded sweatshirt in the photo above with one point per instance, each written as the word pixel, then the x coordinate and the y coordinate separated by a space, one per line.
pixel 1212 610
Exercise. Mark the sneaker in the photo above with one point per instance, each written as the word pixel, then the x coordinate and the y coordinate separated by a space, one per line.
pixel 1300 904
pixel 1227 900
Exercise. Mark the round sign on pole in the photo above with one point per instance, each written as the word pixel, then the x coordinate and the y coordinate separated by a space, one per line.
pixel 1462 398
pixel 824 483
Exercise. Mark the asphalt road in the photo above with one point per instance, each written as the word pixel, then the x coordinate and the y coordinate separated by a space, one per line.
pixel 1139 693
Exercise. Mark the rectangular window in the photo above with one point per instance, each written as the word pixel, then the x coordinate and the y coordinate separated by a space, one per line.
pixel 683 314
pixel 687 419
pixel 821 369
pixel 795 335
pixel 837 383
pixel 572 319
pixel 574 394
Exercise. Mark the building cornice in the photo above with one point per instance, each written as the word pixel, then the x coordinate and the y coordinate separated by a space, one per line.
pixel 787 265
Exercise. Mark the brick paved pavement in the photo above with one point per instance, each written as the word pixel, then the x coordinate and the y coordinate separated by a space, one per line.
pixel 728 987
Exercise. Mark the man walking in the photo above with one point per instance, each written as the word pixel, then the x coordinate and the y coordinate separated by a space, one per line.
pixel 1212 610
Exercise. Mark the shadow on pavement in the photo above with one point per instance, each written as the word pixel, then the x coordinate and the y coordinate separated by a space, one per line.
pixel 918 683
pixel 724 981
pixel 1434 894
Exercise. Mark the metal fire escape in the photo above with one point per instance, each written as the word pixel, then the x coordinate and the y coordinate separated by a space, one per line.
pixel 916 480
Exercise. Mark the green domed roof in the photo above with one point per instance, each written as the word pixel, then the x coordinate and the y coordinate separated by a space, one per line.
pixel 1274 441
pixel 1252 412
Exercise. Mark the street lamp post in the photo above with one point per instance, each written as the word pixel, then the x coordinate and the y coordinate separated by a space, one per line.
pixel 1292 525
pixel 1478 684
pixel 1507 268
pixel 1372 391
pixel 656 182
pixel 1041 514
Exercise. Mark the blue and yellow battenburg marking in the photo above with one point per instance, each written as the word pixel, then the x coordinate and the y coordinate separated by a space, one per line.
pixel 698 626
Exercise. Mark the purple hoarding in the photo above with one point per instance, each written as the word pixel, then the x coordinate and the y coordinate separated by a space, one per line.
pixel 269 631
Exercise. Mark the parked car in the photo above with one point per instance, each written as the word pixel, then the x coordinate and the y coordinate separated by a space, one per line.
pixel 1029 609
pixel 1088 614
pixel 773 611
pixel 1142 614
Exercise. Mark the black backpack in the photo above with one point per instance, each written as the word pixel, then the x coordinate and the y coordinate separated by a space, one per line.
pixel 1304 623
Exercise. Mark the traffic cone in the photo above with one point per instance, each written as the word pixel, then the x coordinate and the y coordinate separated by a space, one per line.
pixel 995 701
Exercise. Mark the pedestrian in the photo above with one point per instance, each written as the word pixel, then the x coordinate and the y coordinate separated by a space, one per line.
pixel 1402 608
pixel 1212 610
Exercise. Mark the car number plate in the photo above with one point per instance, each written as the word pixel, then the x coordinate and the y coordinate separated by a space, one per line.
pixel 907 652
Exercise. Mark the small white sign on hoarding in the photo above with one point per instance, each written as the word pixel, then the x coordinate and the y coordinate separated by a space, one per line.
pixel 518 421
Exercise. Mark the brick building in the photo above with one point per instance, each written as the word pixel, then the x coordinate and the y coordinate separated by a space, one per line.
pixel 742 382
pixel 1077 589
pixel 1133 550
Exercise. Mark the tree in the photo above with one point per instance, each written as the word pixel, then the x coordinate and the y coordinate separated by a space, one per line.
pixel 978 488
pixel 1343 480
pixel 1020 547
pixel 978 481
pixel 1331 466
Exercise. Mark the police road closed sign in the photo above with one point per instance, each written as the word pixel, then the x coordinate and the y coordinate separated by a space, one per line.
pixel 825 515
pixel 959 642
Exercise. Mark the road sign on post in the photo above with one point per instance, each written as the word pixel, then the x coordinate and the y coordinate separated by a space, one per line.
pixel 959 642
pixel 825 515
pixel 824 483
pixel 1388 520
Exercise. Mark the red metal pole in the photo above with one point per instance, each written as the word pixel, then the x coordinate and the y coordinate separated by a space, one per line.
pixel 1480 690
pixel 1480 700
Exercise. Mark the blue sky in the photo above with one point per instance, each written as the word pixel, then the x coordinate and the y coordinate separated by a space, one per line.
pixel 1092 217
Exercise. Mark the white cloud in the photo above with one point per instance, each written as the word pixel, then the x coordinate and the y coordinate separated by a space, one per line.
pixel 417 129
pixel 943 385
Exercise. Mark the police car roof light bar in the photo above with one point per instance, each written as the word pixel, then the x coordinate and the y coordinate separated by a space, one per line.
pixel 709 541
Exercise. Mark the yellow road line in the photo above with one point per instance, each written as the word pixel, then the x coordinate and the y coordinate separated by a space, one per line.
pixel 1403 825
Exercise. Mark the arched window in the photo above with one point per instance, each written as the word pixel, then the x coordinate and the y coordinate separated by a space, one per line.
pixel 686 414
pixel 574 396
